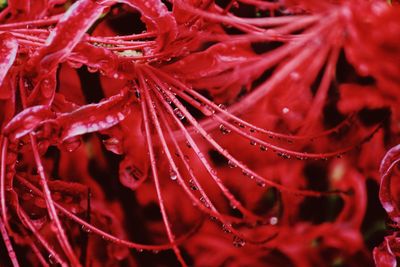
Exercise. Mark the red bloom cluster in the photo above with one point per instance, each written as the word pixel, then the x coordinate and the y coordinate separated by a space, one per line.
pixel 200 133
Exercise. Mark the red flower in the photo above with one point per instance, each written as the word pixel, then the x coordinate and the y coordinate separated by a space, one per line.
pixel 191 109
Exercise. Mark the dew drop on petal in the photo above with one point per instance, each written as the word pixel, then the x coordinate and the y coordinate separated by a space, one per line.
pixel 92 69
pixel 114 145
pixel 72 144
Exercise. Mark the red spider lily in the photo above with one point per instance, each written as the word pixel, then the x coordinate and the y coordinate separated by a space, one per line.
pixel 191 109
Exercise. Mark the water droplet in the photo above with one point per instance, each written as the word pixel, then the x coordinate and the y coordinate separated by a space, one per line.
pixel 260 183
pixel 85 229
pixel 114 145
pixel 263 148
pixel 52 259
pixel 213 172
pixel 188 144
pixel 238 242
pixel 92 69
pixel 241 125
pixel 226 228
pixel 178 113
pixel 72 144
pixel 222 106
pixel 245 173
pixel 253 143
pixel 193 185
pixel 204 201
pixel 74 64
pixel 210 109
pixel 168 100
pixel 173 175
pixel 285 110
pixel 224 130
pixel 283 155
pixel 273 220
pixel 231 164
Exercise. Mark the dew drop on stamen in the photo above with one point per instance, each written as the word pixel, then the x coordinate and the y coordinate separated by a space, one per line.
pixel 173 175
pixel 193 185
pixel 225 228
pixel 231 164
pixel 178 113
pixel 204 201
pixel 222 106
pixel 52 259
pixel 238 242
pixel 223 129
pixel 188 144
pixel 241 125
pixel 245 173
pixel 210 109
pixel 260 183
pixel 213 172
pixel 85 229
